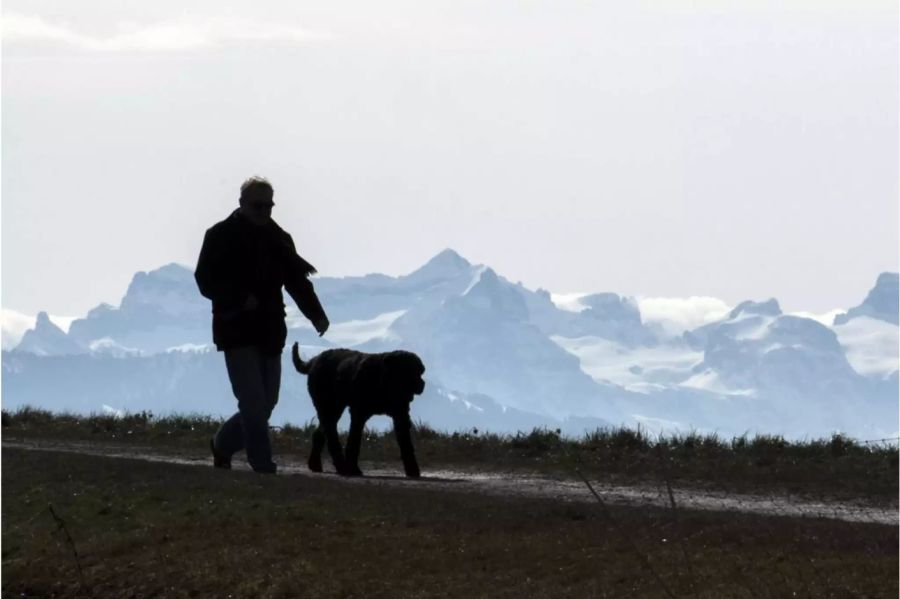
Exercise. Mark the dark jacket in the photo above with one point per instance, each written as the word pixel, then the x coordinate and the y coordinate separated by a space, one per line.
pixel 238 259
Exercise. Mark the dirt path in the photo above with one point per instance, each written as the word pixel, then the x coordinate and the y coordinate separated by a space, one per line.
pixel 521 485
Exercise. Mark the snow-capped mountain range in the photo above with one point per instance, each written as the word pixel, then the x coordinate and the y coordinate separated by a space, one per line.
pixel 499 356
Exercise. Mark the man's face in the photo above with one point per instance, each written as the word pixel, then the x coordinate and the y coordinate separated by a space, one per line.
pixel 258 208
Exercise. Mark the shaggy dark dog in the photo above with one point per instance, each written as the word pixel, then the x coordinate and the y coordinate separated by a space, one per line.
pixel 368 384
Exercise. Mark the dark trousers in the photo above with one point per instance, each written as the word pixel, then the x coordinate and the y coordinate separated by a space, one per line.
pixel 255 379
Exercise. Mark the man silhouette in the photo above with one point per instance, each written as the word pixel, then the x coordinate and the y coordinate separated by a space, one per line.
pixel 244 262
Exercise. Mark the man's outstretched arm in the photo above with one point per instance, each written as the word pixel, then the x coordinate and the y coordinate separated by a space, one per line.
pixel 300 288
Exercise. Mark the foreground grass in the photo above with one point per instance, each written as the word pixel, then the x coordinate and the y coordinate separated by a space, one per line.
pixel 147 529
pixel 837 468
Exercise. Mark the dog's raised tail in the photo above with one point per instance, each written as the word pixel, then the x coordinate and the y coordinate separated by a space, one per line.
pixel 301 366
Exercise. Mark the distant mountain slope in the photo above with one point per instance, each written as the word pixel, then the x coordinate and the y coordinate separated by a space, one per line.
pixel 481 341
pixel 161 309
pixel 499 355
pixel 196 382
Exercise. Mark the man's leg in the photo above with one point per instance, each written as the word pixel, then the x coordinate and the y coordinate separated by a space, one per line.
pixel 228 440
pixel 272 381
pixel 246 371
pixel 271 376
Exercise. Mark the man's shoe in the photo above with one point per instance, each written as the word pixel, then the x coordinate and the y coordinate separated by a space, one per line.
pixel 219 460
pixel 270 468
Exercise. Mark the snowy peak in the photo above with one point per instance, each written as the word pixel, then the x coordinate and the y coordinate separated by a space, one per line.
pixel 602 315
pixel 445 265
pixel 798 332
pixel 780 355
pixel 762 324
pixel 767 308
pixel 882 301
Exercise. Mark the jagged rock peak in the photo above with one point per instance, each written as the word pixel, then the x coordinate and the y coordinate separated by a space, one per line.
pixel 489 291
pixel 487 282
pixel 170 271
pixel 448 258
pixel 164 275
pixel 766 308
pixel 46 339
pixel 170 288
pixel 882 301
pixel 100 311
pixel 887 279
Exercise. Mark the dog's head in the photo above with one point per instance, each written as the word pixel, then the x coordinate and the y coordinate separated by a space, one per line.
pixel 403 372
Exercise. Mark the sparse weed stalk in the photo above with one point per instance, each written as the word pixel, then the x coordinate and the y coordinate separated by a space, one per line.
pixel 425 431
pixel 629 440
pixel 28 416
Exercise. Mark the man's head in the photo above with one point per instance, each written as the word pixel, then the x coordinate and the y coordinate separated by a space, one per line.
pixel 256 200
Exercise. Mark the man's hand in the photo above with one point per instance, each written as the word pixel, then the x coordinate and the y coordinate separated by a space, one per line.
pixel 251 303
pixel 321 325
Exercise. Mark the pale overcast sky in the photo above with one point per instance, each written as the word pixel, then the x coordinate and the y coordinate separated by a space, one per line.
pixel 740 150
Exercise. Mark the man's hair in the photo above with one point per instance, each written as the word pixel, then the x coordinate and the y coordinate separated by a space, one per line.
pixel 255 187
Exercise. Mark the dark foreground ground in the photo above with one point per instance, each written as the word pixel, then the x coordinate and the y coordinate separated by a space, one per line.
pixel 92 526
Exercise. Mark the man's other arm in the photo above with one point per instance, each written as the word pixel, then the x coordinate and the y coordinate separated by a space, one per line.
pixel 213 277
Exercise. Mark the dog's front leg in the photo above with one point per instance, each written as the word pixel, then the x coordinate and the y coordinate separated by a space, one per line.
pixel 402 426
pixel 334 444
pixel 354 441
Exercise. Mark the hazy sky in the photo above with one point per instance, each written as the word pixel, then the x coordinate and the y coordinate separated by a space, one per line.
pixel 740 150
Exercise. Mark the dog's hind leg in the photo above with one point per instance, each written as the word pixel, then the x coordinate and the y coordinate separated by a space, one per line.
pixel 315 456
